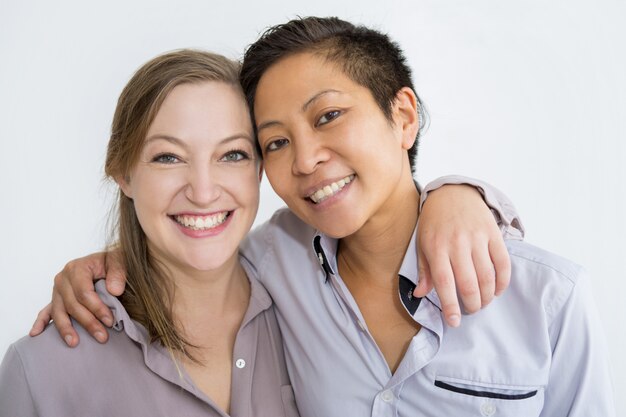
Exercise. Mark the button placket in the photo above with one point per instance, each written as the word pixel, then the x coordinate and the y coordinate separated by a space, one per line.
pixel 387 396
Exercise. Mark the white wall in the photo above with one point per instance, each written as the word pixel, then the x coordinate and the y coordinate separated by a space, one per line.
pixel 529 96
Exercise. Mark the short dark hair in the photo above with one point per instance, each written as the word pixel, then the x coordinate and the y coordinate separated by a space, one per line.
pixel 368 57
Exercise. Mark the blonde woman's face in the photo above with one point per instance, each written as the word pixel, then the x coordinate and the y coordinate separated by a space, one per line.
pixel 196 185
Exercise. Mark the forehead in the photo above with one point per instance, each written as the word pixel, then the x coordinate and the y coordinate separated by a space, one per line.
pixel 209 107
pixel 295 78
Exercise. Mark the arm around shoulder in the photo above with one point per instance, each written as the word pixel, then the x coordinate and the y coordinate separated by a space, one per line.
pixel 501 206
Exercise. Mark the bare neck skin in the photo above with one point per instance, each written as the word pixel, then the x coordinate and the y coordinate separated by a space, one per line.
pixel 377 249
pixel 209 307
pixel 369 262
pixel 202 296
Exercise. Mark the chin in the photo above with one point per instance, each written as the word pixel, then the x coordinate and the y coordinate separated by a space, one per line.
pixel 207 261
pixel 337 230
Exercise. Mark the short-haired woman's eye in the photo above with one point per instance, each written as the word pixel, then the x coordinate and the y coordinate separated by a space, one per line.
pixel 327 117
pixel 276 144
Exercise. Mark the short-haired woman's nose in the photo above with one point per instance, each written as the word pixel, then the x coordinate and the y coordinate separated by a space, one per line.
pixel 308 154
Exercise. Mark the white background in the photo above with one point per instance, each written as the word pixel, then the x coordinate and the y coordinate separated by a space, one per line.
pixel 528 95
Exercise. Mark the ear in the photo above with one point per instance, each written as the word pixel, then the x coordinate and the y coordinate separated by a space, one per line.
pixel 124 184
pixel 260 171
pixel 406 116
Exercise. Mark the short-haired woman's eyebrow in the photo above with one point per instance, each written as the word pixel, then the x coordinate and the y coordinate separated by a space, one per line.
pixel 269 123
pixel 305 106
pixel 317 96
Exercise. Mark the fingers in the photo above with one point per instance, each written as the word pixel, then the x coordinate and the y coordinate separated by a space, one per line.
pixel 461 271
pixel 485 273
pixel 442 276
pixel 74 295
pixel 64 305
pixel 42 320
pixel 466 283
pixel 424 283
pixel 501 263
pixel 75 286
pixel 63 323
pixel 115 273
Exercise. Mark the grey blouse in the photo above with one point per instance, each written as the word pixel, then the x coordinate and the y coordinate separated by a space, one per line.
pixel 129 376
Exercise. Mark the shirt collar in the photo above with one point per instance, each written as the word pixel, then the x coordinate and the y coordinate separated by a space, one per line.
pixel 153 353
pixel 325 249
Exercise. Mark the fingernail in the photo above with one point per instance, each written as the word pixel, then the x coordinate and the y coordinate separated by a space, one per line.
pixel 107 320
pixel 116 287
pixel 99 337
pixel 68 340
pixel 454 320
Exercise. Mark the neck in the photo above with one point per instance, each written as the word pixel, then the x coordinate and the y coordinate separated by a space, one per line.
pixel 202 299
pixel 375 252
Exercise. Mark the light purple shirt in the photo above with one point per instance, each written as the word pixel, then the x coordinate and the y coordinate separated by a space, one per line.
pixel 538 350
pixel 129 376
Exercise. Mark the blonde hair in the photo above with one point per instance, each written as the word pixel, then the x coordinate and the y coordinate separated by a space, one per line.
pixel 148 295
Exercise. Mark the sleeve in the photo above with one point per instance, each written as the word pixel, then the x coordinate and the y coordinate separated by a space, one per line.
pixel 15 395
pixel 502 208
pixel 580 381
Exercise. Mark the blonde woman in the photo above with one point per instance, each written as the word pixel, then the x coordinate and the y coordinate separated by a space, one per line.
pixel 194 334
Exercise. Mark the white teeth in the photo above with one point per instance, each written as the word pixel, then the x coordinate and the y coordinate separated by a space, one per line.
pixel 330 189
pixel 202 222
pixel 319 194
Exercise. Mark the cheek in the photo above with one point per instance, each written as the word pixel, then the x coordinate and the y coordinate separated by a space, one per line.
pixel 154 191
pixel 242 183
pixel 278 173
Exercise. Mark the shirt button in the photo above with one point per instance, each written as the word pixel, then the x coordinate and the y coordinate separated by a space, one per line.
pixel 240 363
pixel 387 396
pixel 487 409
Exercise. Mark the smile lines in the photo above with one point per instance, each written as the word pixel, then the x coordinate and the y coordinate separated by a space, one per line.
pixel 330 189
pixel 202 222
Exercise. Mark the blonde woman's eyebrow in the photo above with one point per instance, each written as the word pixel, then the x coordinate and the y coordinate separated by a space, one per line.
pixel 172 139
pixel 176 141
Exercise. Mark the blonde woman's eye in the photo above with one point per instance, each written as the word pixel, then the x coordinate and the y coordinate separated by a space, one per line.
pixel 235 156
pixel 276 145
pixel 166 158
pixel 328 117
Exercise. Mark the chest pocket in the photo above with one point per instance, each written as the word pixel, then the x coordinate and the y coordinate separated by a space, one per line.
pixel 471 398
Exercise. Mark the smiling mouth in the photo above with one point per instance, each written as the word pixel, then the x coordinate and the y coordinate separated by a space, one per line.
pixel 201 222
pixel 330 189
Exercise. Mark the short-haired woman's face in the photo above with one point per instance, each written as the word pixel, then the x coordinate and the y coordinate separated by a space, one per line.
pixel 329 151
pixel 196 185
